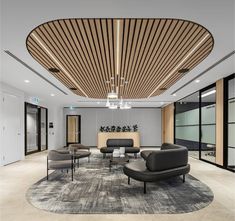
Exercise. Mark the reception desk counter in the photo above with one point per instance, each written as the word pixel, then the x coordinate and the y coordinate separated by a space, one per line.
pixel 103 136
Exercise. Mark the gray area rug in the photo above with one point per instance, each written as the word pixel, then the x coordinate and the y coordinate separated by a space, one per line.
pixel 95 190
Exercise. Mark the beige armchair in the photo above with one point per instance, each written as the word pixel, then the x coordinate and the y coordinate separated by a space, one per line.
pixel 57 160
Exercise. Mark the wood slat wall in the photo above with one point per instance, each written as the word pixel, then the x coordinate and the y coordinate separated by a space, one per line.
pixel 148 58
pixel 168 124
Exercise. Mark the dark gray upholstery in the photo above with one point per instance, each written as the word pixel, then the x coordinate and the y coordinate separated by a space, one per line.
pixel 171 160
pixel 78 146
pixel 117 143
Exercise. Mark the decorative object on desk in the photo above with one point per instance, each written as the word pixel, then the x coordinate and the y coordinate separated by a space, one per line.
pixel 135 128
pixel 107 129
pixel 102 129
pixel 124 129
pixel 122 151
pixel 113 128
pixel 118 129
pixel 116 153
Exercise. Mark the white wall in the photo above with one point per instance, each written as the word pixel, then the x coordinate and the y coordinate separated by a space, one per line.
pixel 6 89
pixel 55 115
pixel 147 119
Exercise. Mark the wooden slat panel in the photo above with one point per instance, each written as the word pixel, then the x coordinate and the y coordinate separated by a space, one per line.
pixel 149 55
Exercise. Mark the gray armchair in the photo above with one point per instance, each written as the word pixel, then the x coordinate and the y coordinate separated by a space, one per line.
pixel 57 160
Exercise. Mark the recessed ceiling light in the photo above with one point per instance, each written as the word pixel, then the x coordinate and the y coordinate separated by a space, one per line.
pixel 52 95
pixel 26 81
pixel 197 81
pixel 112 78
pixel 126 82
pixel 54 70
pixel 183 70
pixel 174 95
pixel 107 82
pixel 98 102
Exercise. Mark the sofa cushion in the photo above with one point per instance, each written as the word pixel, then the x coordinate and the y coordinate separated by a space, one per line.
pixel 119 143
pixel 145 153
pixel 167 159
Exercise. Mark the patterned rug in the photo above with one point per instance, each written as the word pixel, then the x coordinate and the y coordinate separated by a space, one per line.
pixel 95 190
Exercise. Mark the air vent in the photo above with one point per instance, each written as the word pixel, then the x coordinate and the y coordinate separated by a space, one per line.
pixel 34 71
pixel 73 88
pixel 163 89
pixel 183 70
pixel 54 70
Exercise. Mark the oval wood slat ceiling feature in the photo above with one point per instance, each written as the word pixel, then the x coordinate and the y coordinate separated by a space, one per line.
pixel 147 54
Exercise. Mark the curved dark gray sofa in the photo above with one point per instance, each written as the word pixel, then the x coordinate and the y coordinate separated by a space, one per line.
pixel 170 161
pixel 117 143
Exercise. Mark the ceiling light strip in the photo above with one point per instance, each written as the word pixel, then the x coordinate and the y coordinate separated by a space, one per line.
pixel 173 71
pixel 58 63
pixel 118 45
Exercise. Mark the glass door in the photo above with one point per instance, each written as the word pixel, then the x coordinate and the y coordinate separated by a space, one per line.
pixel 32 128
pixel 35 128
pixel 230 123
pixel 208 124
pixel 73 129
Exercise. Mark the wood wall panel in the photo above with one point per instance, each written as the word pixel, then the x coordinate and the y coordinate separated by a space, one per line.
pixel 168 124
pixel 219 121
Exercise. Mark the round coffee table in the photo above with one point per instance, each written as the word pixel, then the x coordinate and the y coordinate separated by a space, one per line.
pixel 118 161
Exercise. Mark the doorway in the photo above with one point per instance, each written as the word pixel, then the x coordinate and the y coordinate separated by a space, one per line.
pixel 73 129
pixel 36 138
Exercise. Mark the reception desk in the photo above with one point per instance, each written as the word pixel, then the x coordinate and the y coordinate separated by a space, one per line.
pixel 103 136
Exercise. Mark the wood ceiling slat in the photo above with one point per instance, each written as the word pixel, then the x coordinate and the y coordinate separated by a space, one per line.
pixel 72 68
pixel 68 26
pixel 86 53
pixel 176 59
pixel 149 52
pixel 148 38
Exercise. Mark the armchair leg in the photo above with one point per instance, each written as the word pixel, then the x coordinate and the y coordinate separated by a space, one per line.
pixel 135 154
pixel 183 178
pixel 144 187
pixel 104 155
pixel 129 179
pixel 89 159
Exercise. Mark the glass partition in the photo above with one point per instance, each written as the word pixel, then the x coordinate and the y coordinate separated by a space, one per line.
pixel 43 117
pixel 231 124
pixel 32 114
pixel 187 123
pixel 208 124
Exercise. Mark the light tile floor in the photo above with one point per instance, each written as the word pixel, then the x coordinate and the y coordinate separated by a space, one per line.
pixel 16 178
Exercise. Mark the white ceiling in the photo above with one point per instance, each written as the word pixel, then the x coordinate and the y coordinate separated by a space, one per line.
pixel 18 18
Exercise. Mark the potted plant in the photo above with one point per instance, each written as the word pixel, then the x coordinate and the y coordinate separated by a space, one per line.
pixel 135 128
pixel 107 129
pixel 118 128
pixel 102 129
pixel 113 128
pixel 124 129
